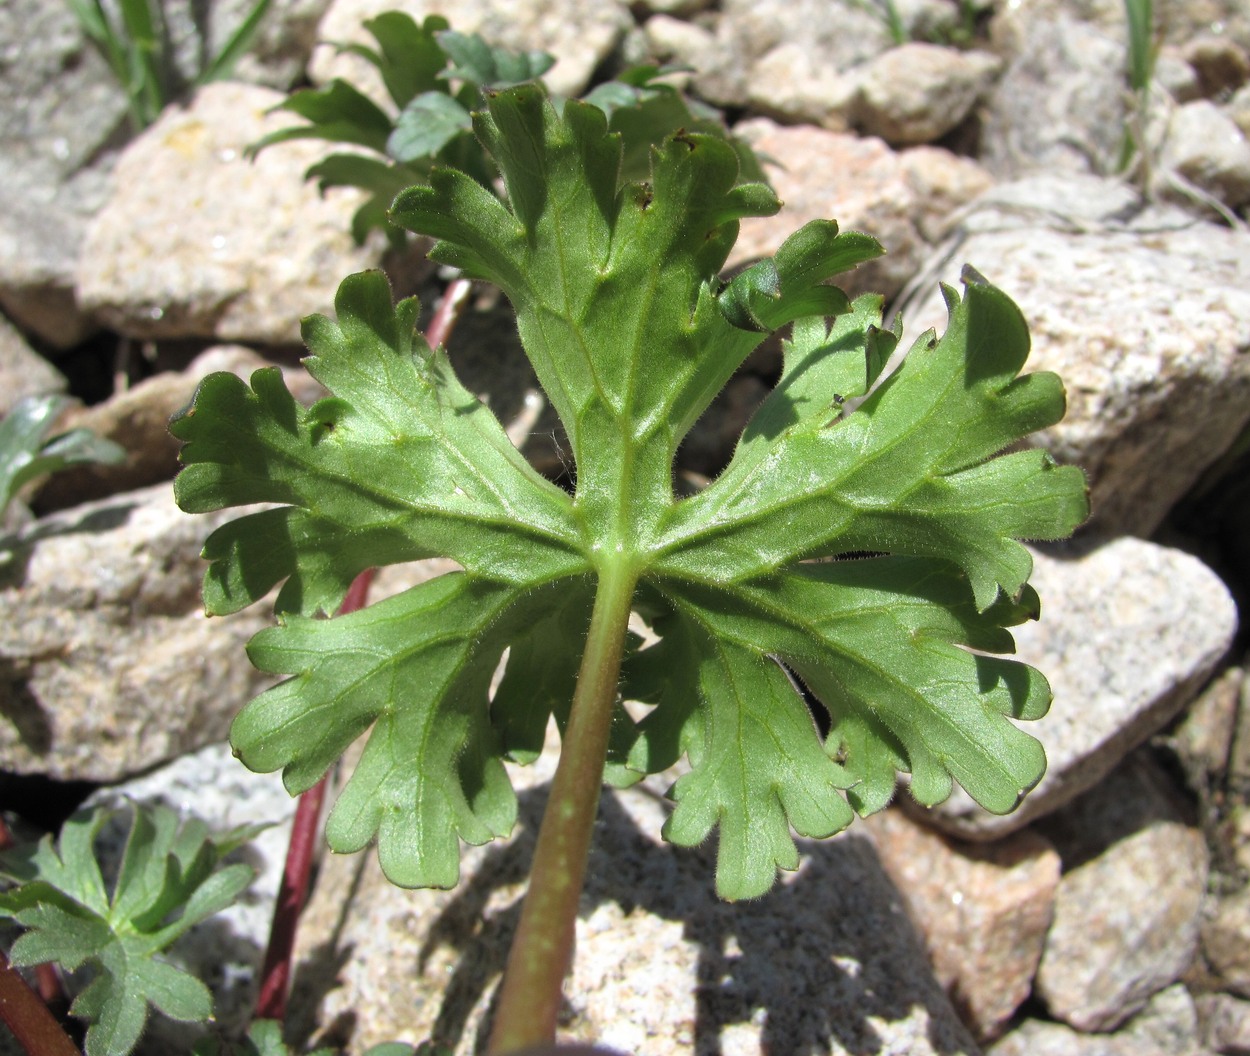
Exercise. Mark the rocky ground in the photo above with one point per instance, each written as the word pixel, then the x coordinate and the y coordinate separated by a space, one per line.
pixel 1109 915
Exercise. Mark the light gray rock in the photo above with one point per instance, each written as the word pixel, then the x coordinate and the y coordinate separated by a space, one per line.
pixel 826 963
pixel 1225 1023
pixel 23 371
pixel 1177 21
pixel 918 92
pixel 1226 941
pixel 198 241
pixel 1129 632
pixel 109 666
pixel 901 198
pixel 787 85
pixel 1061 101
pixel 60 114
pixel 224 952
pixel 1167 1027
pixel 1144 313
pixel 1127 912
pixel 715 56
pixel 739 53
pixel 580 33
pixel 982 909
pixel 1206 148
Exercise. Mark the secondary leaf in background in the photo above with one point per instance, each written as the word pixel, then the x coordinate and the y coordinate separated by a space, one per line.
pixel 72 919
pixel 25 453
pixel 435 78
pixel 632 333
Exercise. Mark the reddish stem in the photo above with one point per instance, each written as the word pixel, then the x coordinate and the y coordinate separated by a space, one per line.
pixel 275 975
pixel 447 314
pixel 35 1028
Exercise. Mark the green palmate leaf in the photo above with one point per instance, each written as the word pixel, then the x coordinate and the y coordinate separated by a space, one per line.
pixel 170 879
pixel 631 332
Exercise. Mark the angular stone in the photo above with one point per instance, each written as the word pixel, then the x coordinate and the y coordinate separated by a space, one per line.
pixel 109 667
pixel 579 33
pixel 1225 1023
pixel 1205 147
pixel 787 85
pixel 720 68
pixel 902 199
pixel 198 241
pixel 60 113
pixel 982 910
pixel 918 92
pixel 1145 314
pixel 1129 632
pixel 1059 104
pixel 1167 1027
pixel 826 963
pixel 1226 941
pixel 1128 909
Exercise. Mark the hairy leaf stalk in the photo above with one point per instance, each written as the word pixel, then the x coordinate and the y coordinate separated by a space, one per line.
pixel 542 949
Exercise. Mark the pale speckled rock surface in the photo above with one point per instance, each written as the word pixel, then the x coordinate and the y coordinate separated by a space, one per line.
pixel 107 663
pixel 826 963
pixel 1128 908
pixel 1225 1022
pixel 1129 632
pixel 1167 1027
pixel 1145 314
pixel 742 49
pixel 580 33
pixel 1205 146
pixel 1226 941
pixel 982 909
pixel 59 112
pixel 900 198
pixel 918 92
pixel 789 85
pixel 198 241
pixel 1059 104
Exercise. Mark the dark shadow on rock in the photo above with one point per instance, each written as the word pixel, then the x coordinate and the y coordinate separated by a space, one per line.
pixel 21 708
pixel 822 956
